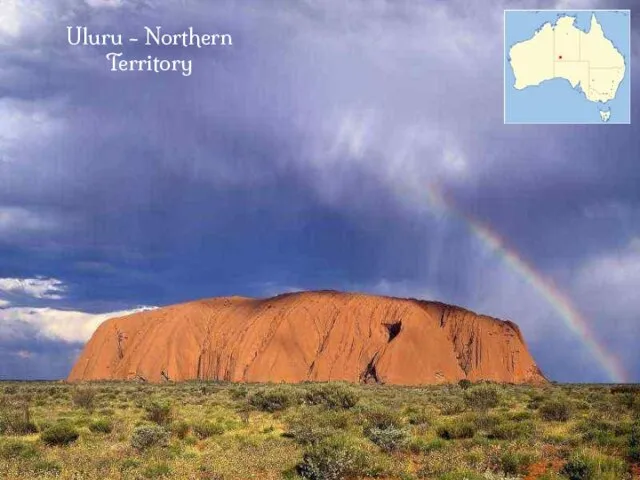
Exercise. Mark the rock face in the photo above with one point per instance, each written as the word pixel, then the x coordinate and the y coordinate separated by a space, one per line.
pixel 315 336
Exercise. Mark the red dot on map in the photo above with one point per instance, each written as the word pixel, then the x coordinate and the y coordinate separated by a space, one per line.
pixel 560 57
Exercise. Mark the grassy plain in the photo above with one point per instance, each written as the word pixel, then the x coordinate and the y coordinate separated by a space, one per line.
pixel 331 431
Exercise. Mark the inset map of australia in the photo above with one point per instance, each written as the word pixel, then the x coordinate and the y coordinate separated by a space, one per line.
pixel 567 67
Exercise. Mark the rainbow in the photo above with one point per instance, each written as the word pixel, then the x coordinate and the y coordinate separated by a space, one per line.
pixel 556 298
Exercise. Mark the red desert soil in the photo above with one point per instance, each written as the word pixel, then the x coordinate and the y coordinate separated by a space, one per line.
pixel 317 336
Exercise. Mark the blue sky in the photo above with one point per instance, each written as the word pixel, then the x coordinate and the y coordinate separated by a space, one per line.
pixel 299 159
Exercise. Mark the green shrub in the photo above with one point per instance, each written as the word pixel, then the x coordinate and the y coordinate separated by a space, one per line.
pixel 582 466
pixel 15 416
pixel 464 383
pixel 21 427
pixel 577 468
pixel 625 389
pixel 18 449
pixel 420 445
pixel 381 417
pixel 159 411
pixel 84 398
pixel 10 389
pixel 309 434
pixel 519 416
pixel 180 429
pixel 463 475
pixel 557 410
pixel 334 459
pixel 158 470
pixel 515 463
pixel 389 439
pixel 634 443
pixel 274 399
pixel 47 467
pixel 207 429
pixel 418 416
pixel 511 430
pixel 101 425
pixel 482 397
pixel 331 395
pixel 454 430
pixel 238 393
pixel 310 426
pixel 603 432
pixel 452 405
pixel 62 433
pixel 146 436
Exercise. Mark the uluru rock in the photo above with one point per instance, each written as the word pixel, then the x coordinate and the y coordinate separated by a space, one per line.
pixel 316 336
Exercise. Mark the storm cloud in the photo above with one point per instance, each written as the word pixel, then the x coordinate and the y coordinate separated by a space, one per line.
pixel 302 157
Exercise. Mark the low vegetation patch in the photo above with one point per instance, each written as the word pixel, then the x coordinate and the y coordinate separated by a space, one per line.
pixel 147 436
pixel 556 410
pixel 159 410
pixel 84 398
pixel 331 395
pixel 60 434
pixel 456 430
pixel 334 430
pixel 482 397
pixel 275 398
pixel 101 425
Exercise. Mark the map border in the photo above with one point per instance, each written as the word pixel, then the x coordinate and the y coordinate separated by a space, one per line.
pixel 504 62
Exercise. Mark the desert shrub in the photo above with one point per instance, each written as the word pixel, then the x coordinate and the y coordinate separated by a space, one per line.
pixel 157 470
pixel 557 410
pixel 454 430
pixel 335 458
pixel 628 400
pixel 577 468
pixel 15 416
pixel 464 384
pixel 238 393
pixel 13 449
pixel 634 443
pixel 274 399
pixel 62 433
pixel 583 466
pixel 311 426
pixel 20 426
pixel 390 438
pixel 159 411
pixel 380 417
pixel 519 416
pixel 625 389
pixel 46 468
pixel 451 405
pixel 84 398
pixel 418 416
pixel 146 436
pixel 535 400
pixel 101 425
pixel 482 397
pixel 420 445
pixel 208 429
pixel 603 432
pixel 463 474
pixel 309 435
pixel 180 429
pixel 511 430
pixel 331 395
pixel 515 463
pixel 482 421
pixel 11 389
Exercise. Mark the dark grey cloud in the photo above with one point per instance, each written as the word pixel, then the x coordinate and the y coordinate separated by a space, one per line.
pixel 302 158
